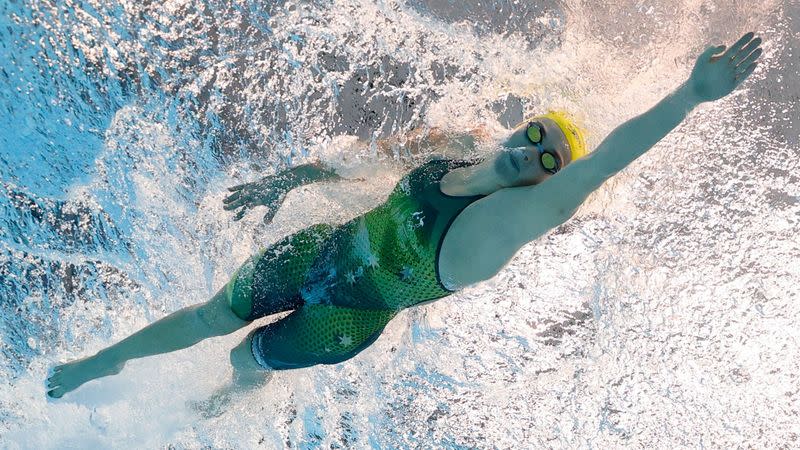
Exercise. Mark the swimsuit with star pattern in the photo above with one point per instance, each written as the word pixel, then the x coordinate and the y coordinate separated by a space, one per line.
pixel 344 283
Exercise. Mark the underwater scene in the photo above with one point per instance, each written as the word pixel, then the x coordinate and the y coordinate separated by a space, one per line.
pixel 664 314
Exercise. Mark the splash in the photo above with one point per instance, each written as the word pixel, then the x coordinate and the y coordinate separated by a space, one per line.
pixel 663 314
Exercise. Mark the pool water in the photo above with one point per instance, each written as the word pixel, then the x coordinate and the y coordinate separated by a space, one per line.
pixel 665 314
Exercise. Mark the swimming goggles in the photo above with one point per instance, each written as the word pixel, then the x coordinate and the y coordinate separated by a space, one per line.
pixel 549 160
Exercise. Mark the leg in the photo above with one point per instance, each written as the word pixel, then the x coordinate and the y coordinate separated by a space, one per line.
pixel 247 375
pixel 317 334
pixel 265 284
pixel 270 282
pixel 313 334
pixel 177 331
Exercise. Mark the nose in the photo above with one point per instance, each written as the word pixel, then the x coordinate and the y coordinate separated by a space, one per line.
pixel 522 154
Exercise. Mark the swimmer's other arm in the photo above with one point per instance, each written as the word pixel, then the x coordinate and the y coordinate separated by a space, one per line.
pixel 510 218
pixel 425 141
pixel 272 189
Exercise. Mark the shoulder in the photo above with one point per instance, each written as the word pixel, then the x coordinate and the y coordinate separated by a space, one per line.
pixel 490 231
pixel 436 165
pixel 433 171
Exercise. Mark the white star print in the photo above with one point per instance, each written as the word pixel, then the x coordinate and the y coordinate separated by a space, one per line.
pixel 420 219
pixel 372 261
pixel 345 341
pixel 351 279
pixel 406 273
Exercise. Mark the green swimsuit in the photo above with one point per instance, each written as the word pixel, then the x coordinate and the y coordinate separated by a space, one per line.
pixel 345 283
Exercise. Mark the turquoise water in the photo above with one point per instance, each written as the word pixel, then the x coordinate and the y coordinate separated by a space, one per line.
pixel 665 314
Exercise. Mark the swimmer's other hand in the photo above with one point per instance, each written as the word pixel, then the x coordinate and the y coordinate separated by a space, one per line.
pixel 268 191
pixel 715 76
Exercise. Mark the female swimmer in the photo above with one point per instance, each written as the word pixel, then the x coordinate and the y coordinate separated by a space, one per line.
pixel 448 224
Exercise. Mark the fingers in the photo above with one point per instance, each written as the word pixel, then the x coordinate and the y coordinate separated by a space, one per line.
pixel 235 204
pixel 239 214
pixel 237 187
pixel 734 49
pixel 737 59
pixel 746 73
pixel 749 60
pixel 233 197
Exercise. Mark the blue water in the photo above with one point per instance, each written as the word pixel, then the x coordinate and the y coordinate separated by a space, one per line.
pixel 665 314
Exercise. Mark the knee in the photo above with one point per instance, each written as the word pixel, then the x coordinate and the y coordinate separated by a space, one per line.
pixel 217 323
pixel 242 359
pixel 218 317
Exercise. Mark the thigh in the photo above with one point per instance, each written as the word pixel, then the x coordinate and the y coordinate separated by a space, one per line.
pixel 269 282
pixel 218 314
pixel 317 334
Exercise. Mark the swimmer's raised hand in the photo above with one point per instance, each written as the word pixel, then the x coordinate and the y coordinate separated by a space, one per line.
pixel 271 190
pixel 716 75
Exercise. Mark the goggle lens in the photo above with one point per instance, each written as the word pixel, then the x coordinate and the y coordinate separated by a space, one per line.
pixel 534 132
pixel 549 162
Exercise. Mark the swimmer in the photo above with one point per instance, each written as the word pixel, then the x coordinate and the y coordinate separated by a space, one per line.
pixel 448 224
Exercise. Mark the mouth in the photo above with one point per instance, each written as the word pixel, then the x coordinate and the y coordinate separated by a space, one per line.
pixel 514 163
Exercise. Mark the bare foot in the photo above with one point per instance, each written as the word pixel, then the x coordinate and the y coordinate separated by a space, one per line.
pixel 218 403
pixel 69 376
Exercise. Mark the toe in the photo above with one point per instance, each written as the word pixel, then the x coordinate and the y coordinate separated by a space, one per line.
pixel 56 393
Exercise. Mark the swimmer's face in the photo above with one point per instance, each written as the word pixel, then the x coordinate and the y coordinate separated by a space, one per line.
pixel 519 164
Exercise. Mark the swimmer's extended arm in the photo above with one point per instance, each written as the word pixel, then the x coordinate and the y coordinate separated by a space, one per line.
pixel 272 189
pixel 510 218
pixel 712 78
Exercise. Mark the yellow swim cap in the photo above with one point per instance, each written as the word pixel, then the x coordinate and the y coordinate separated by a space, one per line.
pixel 575 136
